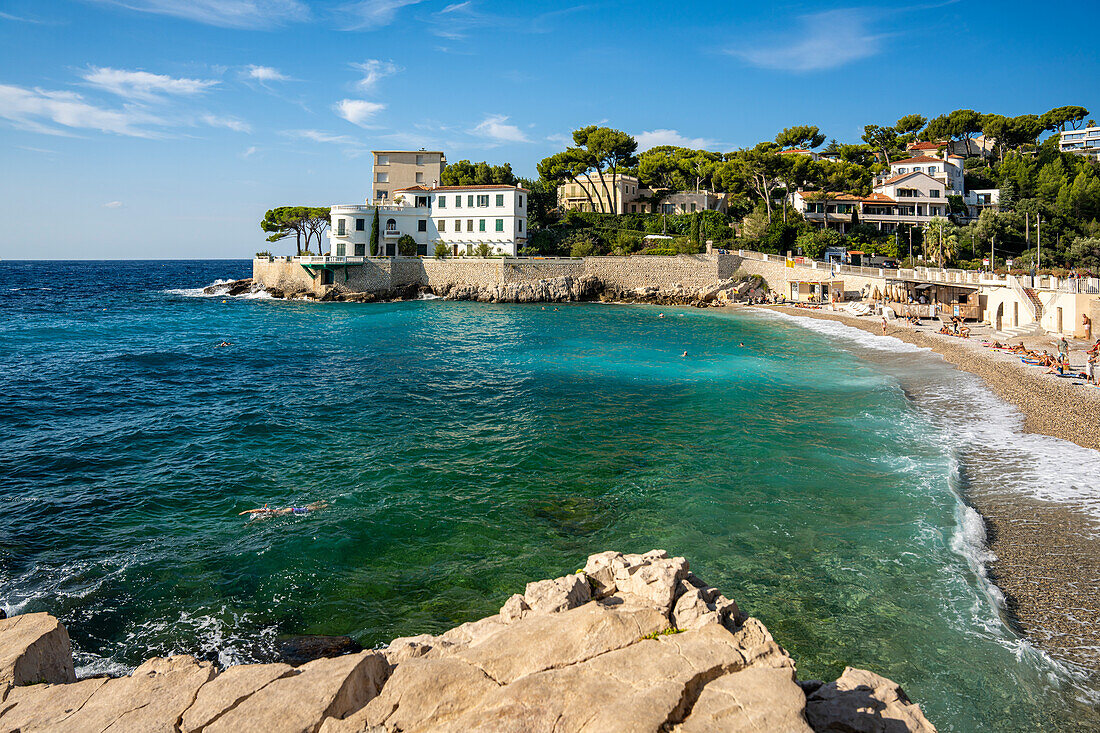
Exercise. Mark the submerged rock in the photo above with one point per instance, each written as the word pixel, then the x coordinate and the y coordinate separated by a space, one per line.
pixel 298 650
pixel 631 643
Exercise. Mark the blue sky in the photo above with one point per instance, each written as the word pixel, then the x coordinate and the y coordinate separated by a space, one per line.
pixel 165 128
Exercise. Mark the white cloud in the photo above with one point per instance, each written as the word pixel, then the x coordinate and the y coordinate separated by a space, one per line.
pixel 494 128
pixel 374 13
pixel 113 205
pixel 374 70
pixel 141 84
pixel 250 14
pixel 264 74
pixel 18 19
pixel 252 150
pixel 820 41
pixel 358 111
pixel 41 110
pixel 229 123
pixel 653 138
pixel 350 145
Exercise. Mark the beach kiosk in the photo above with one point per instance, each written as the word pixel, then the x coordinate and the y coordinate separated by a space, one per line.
pixel 819 291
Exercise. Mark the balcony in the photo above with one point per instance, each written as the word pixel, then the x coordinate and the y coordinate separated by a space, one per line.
pixel 391 233
pixel 339 233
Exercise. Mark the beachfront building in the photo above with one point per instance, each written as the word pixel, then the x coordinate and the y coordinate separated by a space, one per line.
pixel 1081 142
pixel 461 217
pixel 398 169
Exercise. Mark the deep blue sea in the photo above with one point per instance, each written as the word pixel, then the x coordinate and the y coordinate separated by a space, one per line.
pixel 466 449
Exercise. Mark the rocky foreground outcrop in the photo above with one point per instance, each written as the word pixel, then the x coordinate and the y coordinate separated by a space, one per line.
pixel 629 643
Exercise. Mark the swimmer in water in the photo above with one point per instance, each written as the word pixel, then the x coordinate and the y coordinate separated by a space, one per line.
pixel 223 344
pixel 684 354
pixel 742 344
pixel 266 512
pixel 662 315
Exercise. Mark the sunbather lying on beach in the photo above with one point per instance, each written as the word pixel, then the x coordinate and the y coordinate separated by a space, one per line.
pixel 266 512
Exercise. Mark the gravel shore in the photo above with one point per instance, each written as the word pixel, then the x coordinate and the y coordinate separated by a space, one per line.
pixel 1047 554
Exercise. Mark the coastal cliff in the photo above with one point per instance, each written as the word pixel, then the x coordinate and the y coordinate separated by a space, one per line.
pixel 563 289
pixel 630 643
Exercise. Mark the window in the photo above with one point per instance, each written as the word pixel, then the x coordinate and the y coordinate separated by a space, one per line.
pixel 422 201
pixel 634 208
pixel 360 249
pixel 381 195
pixel 458 202
pixel 458 225
pixel 340 230
pixel 441 225
pixel 422 225
pixel 391 225
pixel 382 160
pixel 916 169
pixel 419 161
pixel 360 224
pixel 693 208
pixel 419 177
pixel 469 225
pixel 470 201
pixel 382 178
pixel 500 225
pixel 441 202
pixel 931 169
pixel 521 201
pixel 340 249
pixel 934 193
pixel 521 225
pixel 483 200
pixel 500 199
pixel 901 170
pixel 481 225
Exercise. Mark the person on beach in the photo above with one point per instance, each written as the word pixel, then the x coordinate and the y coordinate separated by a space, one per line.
pixel 1087 323
pixel 1090 370
pixel 884 325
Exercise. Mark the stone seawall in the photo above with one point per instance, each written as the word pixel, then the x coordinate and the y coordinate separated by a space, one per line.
pixel 629 643
pixel 385 276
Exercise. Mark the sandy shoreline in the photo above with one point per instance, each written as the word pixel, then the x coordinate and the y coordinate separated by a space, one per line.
pixel 1047 553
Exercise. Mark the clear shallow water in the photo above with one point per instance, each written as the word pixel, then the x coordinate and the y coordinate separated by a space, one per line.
pixel 469 448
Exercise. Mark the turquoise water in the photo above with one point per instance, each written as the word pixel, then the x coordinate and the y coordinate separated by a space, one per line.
pixel 467 449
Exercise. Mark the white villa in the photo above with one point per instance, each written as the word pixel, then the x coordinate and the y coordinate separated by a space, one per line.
pixel 462 217
pixel 911 194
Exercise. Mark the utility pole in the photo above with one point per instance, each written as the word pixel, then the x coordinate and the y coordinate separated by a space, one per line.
pixel 1038 241
pixel 911 245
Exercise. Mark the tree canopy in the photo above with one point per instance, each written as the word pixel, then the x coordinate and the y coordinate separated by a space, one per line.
pixel 302 222
pixel 465 173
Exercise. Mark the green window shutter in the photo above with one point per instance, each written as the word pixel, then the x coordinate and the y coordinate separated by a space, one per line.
pixel 481 225
pixel 500 225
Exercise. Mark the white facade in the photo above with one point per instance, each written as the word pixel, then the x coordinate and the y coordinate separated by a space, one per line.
pixel 1081 142
pixel 462 217
pixel 947 170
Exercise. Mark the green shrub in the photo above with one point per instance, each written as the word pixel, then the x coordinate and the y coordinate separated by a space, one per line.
pixel 441 250
pixel 483 250
pixel 406 246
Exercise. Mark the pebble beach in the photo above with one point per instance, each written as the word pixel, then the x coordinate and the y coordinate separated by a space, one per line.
pixel 1047 554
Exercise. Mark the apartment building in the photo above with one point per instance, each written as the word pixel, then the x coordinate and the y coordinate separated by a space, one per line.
pixel 623 194
pixel 399 169
pixel 1081 142
pixel 462 217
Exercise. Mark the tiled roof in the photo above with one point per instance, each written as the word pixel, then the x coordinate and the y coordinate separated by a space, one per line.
pixel 879 198
pixel 901 176
pixel 918 159
pixel 463 188
pixel 926 146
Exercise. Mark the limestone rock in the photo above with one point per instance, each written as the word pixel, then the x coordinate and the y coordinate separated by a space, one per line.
pixel 697 607
pixel 151 699
pixel 228 690
pixel 45 707
pixel 749 700
pixel 656 580
pixel 602 567
pixel 300 702
pixel 422 695
pixel 34 647
pixel 514 609
pixel 545 641
pixel 409 647
pixel 559 594
pixel 864 702
pixel 759 648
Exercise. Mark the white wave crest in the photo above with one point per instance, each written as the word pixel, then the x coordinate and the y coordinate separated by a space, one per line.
pixel 840 330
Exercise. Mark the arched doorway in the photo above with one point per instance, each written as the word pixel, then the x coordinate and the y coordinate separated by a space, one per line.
pixel 1000 316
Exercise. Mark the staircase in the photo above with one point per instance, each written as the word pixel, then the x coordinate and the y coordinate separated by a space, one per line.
pixel 1019 332
pixel 1036 303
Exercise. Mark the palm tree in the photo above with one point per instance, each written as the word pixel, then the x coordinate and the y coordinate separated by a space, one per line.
pixel 941 240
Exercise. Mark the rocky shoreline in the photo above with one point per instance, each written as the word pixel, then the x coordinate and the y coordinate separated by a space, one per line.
pixel 564 289
pixel 629 643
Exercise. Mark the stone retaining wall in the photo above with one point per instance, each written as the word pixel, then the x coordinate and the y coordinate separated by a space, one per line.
pixel 688 271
